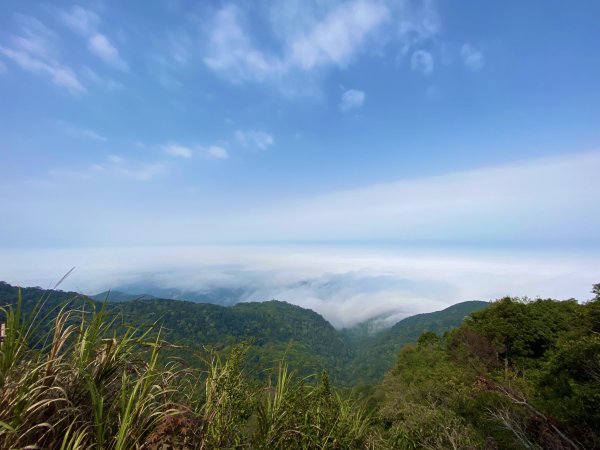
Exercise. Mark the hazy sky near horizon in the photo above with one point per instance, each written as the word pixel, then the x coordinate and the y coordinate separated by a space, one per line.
pixel 180 123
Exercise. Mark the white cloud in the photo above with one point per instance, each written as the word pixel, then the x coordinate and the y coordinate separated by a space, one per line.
pixel 339 36
pixel 231 52
pixel 553 198
pixel 105 83
pixel 542 200
pixel 310 37
pixel 61 76
pixel 254 139
pixel 91 134
pixel 422 61
pixel 33 51
pixel 209 152
pixel 345 284
pixel 418 22
pixel 85 22
pixel 141 171
pixel 103 48
pixel 82 132
pixel 115 166
pixel 85 133
pixel 217 152
pixel 80 20
pixel 352 99
pixel 35 38
pixel 178 150
pixel 472 57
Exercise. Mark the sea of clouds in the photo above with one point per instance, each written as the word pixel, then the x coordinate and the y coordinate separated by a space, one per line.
pixel 346 284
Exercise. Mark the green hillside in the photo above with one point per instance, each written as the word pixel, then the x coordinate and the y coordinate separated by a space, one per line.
pixel 517 374
pixel 376 353
pixel 276 330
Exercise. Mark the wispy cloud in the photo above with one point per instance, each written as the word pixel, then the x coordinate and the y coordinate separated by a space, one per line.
pixel 114 166
pixel 61 76
pixel 472 57
pixel 310 38
pixel 553 198
pixel 141 171
pixel 418 23
pixel 422 61
pixel 82 132
pixel 81 21
pixel 33 50
pixel 544 200
pixel 102 82
pixel 86 22
pixel 352 99
pixel 254 139
pixel 231 52
pixel 91 134
pixel 186 152
pixel 339 35
pixel 215 152
pixel 177 150
pixel 100 45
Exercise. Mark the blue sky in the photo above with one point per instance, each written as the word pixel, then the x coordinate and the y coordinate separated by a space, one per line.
pixel 176 123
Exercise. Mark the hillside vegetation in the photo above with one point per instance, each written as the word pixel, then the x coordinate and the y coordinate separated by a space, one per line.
pixel 519 374
pixel 376 353
pixel 275 329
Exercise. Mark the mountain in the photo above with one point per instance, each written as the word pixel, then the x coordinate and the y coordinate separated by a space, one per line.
pixel 275 329
pixel 119 296
pixel 145 289
pixel 375 353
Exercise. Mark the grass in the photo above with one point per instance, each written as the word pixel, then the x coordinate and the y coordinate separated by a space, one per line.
pixel 83 386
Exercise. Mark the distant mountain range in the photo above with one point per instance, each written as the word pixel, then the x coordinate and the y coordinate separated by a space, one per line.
pixel 134 291
pixel 275 329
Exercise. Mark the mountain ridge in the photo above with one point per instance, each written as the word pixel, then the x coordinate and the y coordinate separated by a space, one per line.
pixel 276 329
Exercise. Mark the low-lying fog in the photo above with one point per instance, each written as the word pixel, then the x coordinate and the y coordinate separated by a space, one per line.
pixel 346 284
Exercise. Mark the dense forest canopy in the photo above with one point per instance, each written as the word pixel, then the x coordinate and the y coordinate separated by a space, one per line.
pixel 276 329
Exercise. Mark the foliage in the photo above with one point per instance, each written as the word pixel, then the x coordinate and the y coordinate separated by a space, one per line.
pixel 375 354
pixel 88 386
pixel 296 415
pixel 519 374
pixel 276 329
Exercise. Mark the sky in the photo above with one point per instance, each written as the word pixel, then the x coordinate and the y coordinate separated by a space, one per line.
pixel 251 133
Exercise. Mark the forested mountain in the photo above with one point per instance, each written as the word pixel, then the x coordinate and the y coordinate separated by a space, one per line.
pixel 149 289
pixel 118 296
pixel 276 330
pixel 375 354
pixel 518 374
